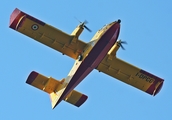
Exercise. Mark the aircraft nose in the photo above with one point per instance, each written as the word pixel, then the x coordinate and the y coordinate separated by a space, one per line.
pixel 119 21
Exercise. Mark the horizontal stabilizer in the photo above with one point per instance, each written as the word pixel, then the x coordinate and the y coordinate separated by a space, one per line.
pixel 47 84
pixel 55 89
pixel 76 98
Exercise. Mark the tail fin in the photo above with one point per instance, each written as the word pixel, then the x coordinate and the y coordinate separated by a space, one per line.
pixel 55 89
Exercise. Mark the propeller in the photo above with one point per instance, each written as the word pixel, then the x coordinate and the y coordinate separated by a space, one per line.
pixel 120 44
pixel 83 24
pixel 87 28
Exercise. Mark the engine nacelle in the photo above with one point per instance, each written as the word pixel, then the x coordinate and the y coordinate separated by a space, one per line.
pixel 114 49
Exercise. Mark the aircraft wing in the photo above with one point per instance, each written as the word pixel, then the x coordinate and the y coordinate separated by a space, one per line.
pixel 46 34
pixel 127 73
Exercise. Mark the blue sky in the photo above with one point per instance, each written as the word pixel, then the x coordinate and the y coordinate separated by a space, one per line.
pixel 146 26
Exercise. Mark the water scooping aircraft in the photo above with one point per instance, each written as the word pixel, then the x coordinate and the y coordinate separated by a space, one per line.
pixel 99 53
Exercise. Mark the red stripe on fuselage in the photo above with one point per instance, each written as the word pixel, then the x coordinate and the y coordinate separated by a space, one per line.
pixel 94 58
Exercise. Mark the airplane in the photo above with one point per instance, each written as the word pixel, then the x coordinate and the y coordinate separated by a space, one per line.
pixel 99 53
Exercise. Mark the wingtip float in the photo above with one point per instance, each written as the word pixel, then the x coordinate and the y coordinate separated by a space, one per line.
pixel 99 53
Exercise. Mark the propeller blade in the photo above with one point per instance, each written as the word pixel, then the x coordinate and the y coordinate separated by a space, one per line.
pixel 83 24
pixel 86 22
pixel 123 42
pixel 120 44
pixel 87 28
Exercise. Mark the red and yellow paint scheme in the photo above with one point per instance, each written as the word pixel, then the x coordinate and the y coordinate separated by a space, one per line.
pixel 99 53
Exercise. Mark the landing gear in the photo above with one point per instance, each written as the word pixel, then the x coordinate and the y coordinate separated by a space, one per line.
pixel 80 57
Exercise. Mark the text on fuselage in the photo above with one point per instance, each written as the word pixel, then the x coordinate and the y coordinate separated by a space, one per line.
pixel 144 77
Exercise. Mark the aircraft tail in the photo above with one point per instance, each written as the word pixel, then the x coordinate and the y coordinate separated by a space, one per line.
pixel 55 89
